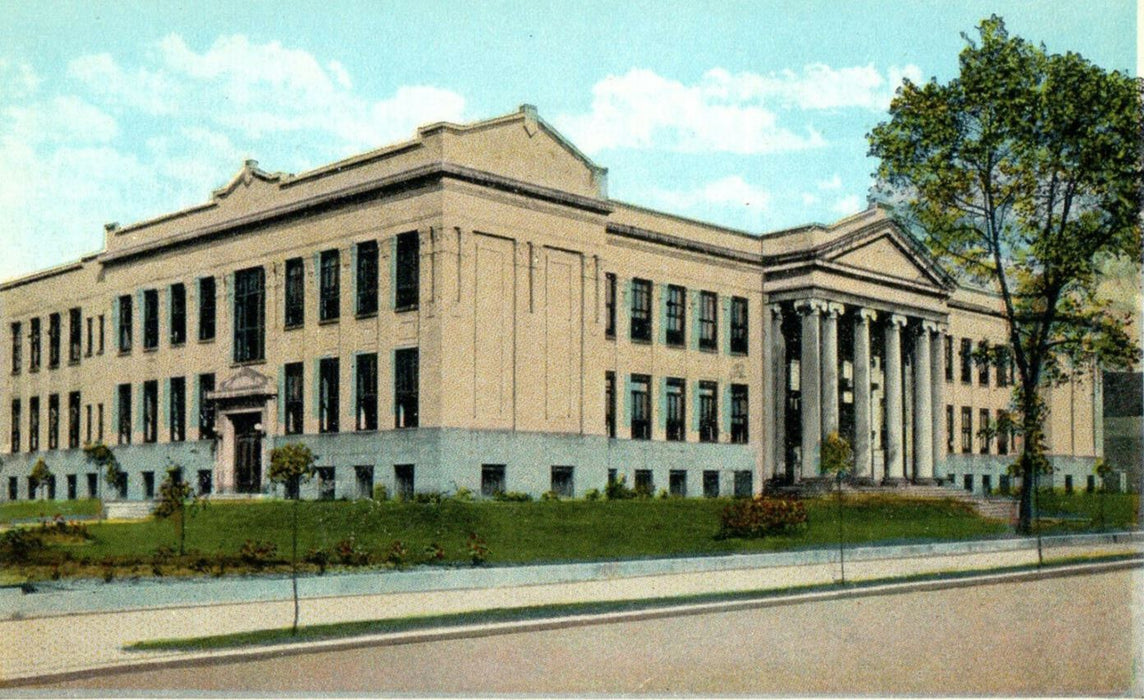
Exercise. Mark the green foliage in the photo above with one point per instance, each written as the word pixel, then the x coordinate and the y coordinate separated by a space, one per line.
pixel 318 557
pixel 463 495
pixel 351 553
pixel 477 548
pixel 512 497
pixel 17 546
pixel 397 555
pixel 40 475
pixel 837 457
pixel 761 516
pixel 1024 172
pixel 258 553
pixel 291 464
pixel 380 492
pixel 617 489
pixel 102 457
pixel 550 496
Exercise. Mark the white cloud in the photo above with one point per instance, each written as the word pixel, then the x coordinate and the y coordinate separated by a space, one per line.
pixel 817 86
pixel 641 109
pixel 850 204
pixel 17 81
pixel 729 195
pixel 833 183
pixel 808 198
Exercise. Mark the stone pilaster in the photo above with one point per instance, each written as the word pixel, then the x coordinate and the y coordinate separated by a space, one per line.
pixel 937 381
pixel 863 449
pixel 923 405
pixel 774 390
pixel 809 386
pixel 830 367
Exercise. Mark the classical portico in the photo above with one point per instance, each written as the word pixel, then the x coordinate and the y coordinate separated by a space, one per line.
pixel 243 410
pixel 856 347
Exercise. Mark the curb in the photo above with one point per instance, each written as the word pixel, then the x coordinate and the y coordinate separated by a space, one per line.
pixel 199 659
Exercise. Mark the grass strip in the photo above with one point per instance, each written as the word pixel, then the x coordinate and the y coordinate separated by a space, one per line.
pixel 342 630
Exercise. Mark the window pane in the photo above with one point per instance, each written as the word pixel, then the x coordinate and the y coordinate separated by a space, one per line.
pixel 329 303
pixel 708 321
pixel 178 314
pixel 641 310
pixel 366 277
pixel 405 388
pixel 207 308
pixel 366 382
pixel 328 395
pixel 407 286
pixel 293 400
pixel 295 312
pixel 249 318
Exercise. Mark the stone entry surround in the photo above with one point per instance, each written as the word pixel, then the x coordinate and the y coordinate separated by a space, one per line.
pixel 909 343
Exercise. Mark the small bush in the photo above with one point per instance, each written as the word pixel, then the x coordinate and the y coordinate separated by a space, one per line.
pixel 761 516
pixel 200 565
pixel 397 555
pixel 512 496
pixel 319 558
pixel 258 553
pixel 617 490
pixel 349 553
pixel 380 493
pixel 463 495
pixel 433 552
pixel 663 495
pixel 478 550
pixel 592 495
pixel 429 497
pixel 550 496
pixel 19 545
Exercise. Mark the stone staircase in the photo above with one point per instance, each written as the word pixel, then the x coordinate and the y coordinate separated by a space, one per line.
pixel 993 507
pixel 127 510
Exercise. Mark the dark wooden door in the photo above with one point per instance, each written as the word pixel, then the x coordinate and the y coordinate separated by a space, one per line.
pixel 247 454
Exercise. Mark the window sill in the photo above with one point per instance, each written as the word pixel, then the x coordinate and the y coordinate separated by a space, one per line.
pixel 204 341
pixel 179 344
pixel 247 363
pixel 676 346
pixel 54 367
pixel 740 353
pixel 329 321
pixel 641 341
pixel 294 327
pixel 148 351
pixel 708 350
pixel 365 314
pixel 404 309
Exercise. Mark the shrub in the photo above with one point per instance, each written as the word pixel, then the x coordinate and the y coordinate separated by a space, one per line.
pixel 397 555
pixel 761 516
pixel 18 545
pixel 433 552
pixel 319 558
pixel 463 495
pixel 617 490
pixel 478 550
pixel 380 492
pixel 592 495
pixel 512 496
pixel 663 494
pixel 429 497
pixel 258 553
pixel 550 496
pixel 350 553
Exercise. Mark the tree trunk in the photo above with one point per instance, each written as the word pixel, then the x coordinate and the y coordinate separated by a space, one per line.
pixel 294 564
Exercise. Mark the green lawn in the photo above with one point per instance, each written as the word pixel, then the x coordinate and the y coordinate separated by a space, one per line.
pixel 26 510
pixel 1062 512
pixel 514 533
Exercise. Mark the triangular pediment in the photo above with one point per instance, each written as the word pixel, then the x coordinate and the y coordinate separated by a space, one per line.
pixel 244 383
pixel 885 256
pixel 884 250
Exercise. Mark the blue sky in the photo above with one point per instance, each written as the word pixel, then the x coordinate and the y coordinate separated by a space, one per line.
pixel 747 114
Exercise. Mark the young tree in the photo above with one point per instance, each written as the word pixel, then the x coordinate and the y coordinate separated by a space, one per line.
pixel 1024 171
pixel 40 475
pixel 291 465
pixel 176 497
pixel 104 459
pixel 838 461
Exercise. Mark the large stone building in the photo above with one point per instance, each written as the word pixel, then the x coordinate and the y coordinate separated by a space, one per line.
pixel 470 309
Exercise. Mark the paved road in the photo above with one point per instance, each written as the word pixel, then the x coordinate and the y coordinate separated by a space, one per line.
pixel 1072 635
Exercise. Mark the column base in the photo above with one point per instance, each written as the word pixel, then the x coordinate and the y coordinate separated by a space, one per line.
pixel 928 481
pixel 894 481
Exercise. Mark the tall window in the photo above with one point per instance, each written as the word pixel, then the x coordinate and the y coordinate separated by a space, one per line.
pixel 125 323
pixel 150 319
pixel 366 399
pixel 33 423
pixel 178 318
pixel 295 306
pixel 739 326
pixel 124 413
pixel 949 429
pixel 99 412
pixel 966 429
pixel 407 288
pixel 492 479
pixel 641 310
pixel 966 361
pixel 949 358
pixel 206 407
pixel 609 305
pixel 53 421
pixel 405 388
pixel 53 341
pixel 740 432
pixel 100 351
pixel 983 365
pixel 328 407
pixel 17 341
pixel 249 314
pixel 641 407
pixel 983 430
pixel 73 419
pixel 90 337
pixel 708 412
pixel 34 345
pixel 150 411
pixel 1002 359
pixel 708 321
pixel 676 415
pixel 177 409
pixel 1003 428
pixel 15 425
pixel 206 308
pixel 293 399
pixel 610 403
pixel 330 292
pixel 676 315
pixel 366 302
pixel 75 335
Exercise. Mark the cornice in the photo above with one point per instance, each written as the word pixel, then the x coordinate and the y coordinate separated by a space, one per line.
pixel 642 234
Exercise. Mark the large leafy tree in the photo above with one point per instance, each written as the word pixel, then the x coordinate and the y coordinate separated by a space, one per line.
pixel 1024 172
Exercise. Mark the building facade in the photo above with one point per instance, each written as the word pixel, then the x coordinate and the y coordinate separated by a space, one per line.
pixel 470 309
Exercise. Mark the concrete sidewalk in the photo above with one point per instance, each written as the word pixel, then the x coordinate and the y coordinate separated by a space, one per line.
pixel 78 627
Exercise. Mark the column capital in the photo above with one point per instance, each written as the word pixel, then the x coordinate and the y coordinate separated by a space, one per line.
pixel 930 327
pixel 776 310
pixel 834 309
pixel 810 306
pixel 897 320
pixel 867 315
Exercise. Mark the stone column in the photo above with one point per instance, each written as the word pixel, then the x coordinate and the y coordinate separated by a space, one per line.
pixel 937 381
pixel 863 453
pixel 895 463
pixel 830 367
pixel 773 390
pixel 809 386
pixel 923 405
pixel 779 368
